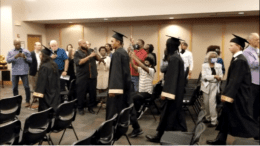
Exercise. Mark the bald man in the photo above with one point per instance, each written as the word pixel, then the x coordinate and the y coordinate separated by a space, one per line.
pixel 86 76
pixel 61 59
pixel 252 55
pixel 20 59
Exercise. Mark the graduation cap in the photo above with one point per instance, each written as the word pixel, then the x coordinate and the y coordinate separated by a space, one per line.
pixel 118 36
pixel 239 40
pixel 174 40
pixel 46 51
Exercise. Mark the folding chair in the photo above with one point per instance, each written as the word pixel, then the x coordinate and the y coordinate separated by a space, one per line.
pixel 10 108
pixel 102 96
pixel 90 140
pixel 65 115
pixel 123 123
pixel 36 127
pixel 183 138
pixel 9 132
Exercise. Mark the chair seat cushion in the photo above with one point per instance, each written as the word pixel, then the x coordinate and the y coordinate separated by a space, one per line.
pixel 176 138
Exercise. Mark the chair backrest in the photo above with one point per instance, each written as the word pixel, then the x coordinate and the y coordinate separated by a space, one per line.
pixel 106 131
pixel 195 95
pixel 65 115
pixel 123 122
pixel 9 108
pixel 9 132
pixel 72 90
pixel 90 140
pixel 200 128
pixel 36 126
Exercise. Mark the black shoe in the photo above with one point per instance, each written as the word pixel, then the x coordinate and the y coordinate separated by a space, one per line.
pixel 216 142
pixel 81 112
pixel 91 110
pixel 136 132
pixel 156 138
pixel 211 125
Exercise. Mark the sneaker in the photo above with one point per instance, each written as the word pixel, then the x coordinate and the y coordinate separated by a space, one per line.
pixel 142 112
pixel 135 133
pixel 35 106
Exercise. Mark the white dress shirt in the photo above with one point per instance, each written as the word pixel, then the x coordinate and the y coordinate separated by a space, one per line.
pixel 188 59
pixel 38 59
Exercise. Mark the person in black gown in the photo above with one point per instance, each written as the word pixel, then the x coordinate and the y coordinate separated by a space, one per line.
pixel 119 84
pixel 173 116
pixel 235 118
pixel 48 83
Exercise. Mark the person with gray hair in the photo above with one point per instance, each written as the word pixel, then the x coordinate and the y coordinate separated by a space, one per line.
pixel 252 55
pixel 210 86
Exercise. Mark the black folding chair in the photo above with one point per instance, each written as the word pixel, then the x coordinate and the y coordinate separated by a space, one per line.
pixel 183 138
pixel 72 94
pixel 105 133
pixel 65 94
pixel 102 96
pixel 9 132
pixel 10 108
pixel 123 123
pixel 90 140
pixel 65 115
pixel 36 127
pixel 148 103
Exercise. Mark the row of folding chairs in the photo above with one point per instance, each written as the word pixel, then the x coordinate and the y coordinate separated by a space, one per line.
pixel 185 138
pixel 39 126
pixel 110 131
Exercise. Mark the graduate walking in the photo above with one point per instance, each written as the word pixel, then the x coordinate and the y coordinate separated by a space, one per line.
pixel 119 85
pixel 173 116
pixel 48 83
pixel 235 118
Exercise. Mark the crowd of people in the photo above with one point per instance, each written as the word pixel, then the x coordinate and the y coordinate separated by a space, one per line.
pixel 127 76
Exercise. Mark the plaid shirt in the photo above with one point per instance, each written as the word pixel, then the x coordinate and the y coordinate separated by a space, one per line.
pixel 141 54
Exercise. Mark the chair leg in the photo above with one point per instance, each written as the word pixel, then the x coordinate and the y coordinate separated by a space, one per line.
pixel 51 139
pixel 152 112
pixel 99 108
pixel 113 142
pixel 32 102
pixel 128 139
pixel 62 135
pixel 74 132
pixel 156 107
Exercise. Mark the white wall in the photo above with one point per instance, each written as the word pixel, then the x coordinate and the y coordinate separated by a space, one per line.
pixel 84 9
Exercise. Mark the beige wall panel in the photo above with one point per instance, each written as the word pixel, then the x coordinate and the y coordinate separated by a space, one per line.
pixel 203 36
pixel 71 35
pixel 52 34
pixel 95 34
pixel 122 28
pixel 242 29
pixel 149 33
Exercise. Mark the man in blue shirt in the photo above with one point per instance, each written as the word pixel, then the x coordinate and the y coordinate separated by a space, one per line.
pixel 61 59
pixel 20 59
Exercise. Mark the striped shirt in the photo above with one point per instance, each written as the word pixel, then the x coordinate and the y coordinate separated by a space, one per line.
pixel 146 80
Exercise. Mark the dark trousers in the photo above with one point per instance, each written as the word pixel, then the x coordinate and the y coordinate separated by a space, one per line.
pixel 138 99
pixel 85 86
pixel 15 80
pixel 222 136
pixel 62 82
pixel 186 75
pixel 254 101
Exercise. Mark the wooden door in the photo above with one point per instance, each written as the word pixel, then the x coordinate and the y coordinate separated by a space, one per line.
pixel 31 39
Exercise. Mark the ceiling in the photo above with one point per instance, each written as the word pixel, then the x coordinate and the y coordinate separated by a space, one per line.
pixel 149 18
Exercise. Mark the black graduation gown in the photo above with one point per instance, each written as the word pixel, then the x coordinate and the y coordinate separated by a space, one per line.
pixel 48 84
pixel 173 116
pixel 235 118
pixel 119 83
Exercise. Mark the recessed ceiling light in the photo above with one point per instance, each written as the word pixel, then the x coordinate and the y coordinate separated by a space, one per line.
pixel 171 18
pixel 241 13
pixel 70 22
pixel 105 19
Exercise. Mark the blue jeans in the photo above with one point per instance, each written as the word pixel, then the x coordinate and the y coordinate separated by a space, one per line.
pixel 15 80
pixel 135 80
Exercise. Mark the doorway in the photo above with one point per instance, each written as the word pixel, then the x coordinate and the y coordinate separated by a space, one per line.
pixel 31 39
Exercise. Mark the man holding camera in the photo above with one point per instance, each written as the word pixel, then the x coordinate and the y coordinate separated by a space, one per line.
pixel 20 59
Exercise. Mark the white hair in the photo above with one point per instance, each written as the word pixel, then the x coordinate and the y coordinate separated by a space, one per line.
pixel 208 55
pixel 53 42
pixel 252 35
